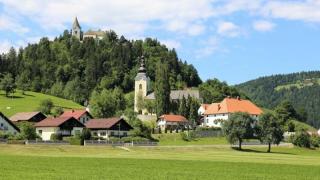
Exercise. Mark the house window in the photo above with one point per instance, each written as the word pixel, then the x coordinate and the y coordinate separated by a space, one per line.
pixel 40 132
pixel 103 133
pixel 1 125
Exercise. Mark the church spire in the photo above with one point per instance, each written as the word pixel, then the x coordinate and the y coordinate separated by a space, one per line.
pixel 142 68
pixel 76 23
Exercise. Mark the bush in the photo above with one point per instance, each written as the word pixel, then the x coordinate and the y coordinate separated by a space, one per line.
pixel 188 136
pixel 5 135
pixel 28 131
pixel 86 134
pixel 315 141
pixel 302 139
pixel 56 137
pixel 75 141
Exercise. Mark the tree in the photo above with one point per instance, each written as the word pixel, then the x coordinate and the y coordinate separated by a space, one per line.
pixel 271 131
pixel 23 82
pixel 302 139
pixel 27 131
pixel 57 111
pixel 238 127
pixel 193 110
pixel 140 102
pixel 162 89
pixel 183 107
pixel 7 84
pixel 285 111
pixel 46 106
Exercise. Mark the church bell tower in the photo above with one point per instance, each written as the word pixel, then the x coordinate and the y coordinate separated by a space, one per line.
pixel 140 86
pixel 76 29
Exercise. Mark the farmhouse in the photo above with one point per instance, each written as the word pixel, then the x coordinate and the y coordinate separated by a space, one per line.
pixel 65 126
pixel 215 113
pixel 7 126
pixel 32 117
pixel 171 122
pixel 109 127
pixel 81 115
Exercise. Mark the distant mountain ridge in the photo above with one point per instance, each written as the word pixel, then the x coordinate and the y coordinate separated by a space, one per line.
pixel 302 89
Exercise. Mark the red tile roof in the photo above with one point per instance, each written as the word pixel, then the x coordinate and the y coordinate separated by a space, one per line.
pixel 74 113
pixel 205 106
pixel 53 122
pixel 23 116
pixel 102 123
pixel 173 118
pixel 232 105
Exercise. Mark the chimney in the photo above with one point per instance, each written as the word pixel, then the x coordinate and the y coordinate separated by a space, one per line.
pixel 219 107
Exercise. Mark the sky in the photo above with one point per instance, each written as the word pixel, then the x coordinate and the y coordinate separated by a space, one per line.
pixel 232 40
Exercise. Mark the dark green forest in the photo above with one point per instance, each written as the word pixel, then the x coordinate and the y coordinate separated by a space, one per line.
pixel 301 89
pixel 71 69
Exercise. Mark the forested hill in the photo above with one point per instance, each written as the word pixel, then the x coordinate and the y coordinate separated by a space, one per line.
pixel 302 89
pixel 68 68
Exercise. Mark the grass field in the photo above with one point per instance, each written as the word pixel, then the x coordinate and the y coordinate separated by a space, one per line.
pixel 30 102
pixel 219 162
pixel 176 140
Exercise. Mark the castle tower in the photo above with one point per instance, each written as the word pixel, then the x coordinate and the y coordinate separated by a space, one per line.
pixel 76 29
pixel 140 87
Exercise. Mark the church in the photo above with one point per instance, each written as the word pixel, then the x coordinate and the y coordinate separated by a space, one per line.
pixel 77 32
pixel 142 90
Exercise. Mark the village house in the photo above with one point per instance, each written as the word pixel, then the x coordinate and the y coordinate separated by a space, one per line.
pixel 109 127
pixel 172 122
pixel 7 126
pixel 65 126
pixel 32 117
pixel 81 115
pixel 214 114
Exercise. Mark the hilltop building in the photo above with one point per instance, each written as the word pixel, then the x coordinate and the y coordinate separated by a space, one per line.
pixel 142 90
pixel 214 114
pixel 78 33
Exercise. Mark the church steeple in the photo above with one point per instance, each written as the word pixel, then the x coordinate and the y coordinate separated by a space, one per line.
pixel 76 29
pixel 141 86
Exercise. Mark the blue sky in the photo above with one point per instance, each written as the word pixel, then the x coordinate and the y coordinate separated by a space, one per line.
pixel 232 40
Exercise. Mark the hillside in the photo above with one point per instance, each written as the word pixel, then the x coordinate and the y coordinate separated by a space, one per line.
pixel 302 89
pixel 68 68
pixel 30 102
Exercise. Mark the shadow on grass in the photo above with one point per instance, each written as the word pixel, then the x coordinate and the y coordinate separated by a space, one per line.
pixel 30 95
pixel 12 97
pixel 260 151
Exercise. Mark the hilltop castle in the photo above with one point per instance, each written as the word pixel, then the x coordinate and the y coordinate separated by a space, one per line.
pixel 77 32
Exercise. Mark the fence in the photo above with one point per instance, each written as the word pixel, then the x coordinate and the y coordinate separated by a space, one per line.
pixel 209 133
pixel 47 142
pixel 117 143
pixel 3 141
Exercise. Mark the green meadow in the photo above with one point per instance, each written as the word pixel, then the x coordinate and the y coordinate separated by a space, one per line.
pixel 30 102
pixel 192 162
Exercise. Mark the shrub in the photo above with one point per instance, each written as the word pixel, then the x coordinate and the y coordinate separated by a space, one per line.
pixel 315 141
pixel 5 135
pixel 56 137
pixel 302 139
pixel 86 134
pixel 75 141
pixel 28 131
pixel 188 136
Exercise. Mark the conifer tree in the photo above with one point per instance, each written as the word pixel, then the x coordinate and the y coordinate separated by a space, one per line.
pixel 162 89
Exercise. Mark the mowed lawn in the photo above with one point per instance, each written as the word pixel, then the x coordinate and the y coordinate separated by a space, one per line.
pixel 30 102
pixel 198 162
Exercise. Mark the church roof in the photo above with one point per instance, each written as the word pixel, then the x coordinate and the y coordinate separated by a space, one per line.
pixel 178 94
pixel 76 23
pixel 95 33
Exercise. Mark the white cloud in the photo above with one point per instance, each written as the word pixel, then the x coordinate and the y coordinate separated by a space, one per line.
pixel 171 43
pixel 308 10
pixel 5 46
pixel 228 29
pixel 120 15
pixel 263 26
pixel 10 24
pixel 209 47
